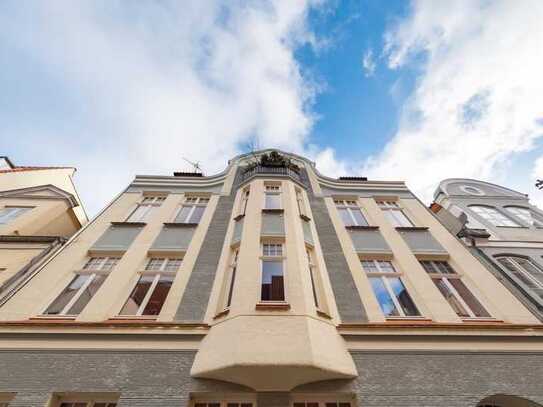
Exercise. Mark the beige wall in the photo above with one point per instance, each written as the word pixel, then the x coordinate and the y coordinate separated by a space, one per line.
pixel 14 256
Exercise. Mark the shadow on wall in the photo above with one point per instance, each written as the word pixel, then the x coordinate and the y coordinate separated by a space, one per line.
pixel 502 400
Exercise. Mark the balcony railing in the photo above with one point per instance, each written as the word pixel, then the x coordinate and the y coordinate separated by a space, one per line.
pixel 260 169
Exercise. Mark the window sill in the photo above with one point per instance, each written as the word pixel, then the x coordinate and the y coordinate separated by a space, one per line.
pixel 134 318
pixel 221 314
pixel 239 217
pixel 482 319
pixel 129 224
pixel 53 318
pixel 323 314
pixel 411 228
pixel 306 218
pixel 272 306
pixel 273 210
pixel 356 227
pixel 422 320
pixel 180 225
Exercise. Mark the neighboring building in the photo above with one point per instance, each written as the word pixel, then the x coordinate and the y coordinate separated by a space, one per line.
pixel 39 211
pixel 502 228
pixel 267 285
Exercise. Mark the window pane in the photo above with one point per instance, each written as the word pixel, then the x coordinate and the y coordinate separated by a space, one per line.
pixel 469 298
pixel 407 304
pixel 110 263
pixel 390 217
pixel 86 295
pixel 369 266
pixel 380 291
pixel 138 294
pixel 451 299
pixel 273 201
pixel 183 214
pixel 10 213
pixel 386 266
pixel 93 263
pixel 172 265
pixel 444 267
pixel 530 268
pixel 154 264
pixel 272 281
pixel 401 219
pixel 159 295
pixel 64 298
pixel 428 266
pixel 517 272
pixel 359 218
pixel 139 214
pixel 346 217
pixel 231 288
pixel 197 214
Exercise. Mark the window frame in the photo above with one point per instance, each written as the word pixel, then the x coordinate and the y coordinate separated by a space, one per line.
pixel 21 210
pixel 454 275
pixel 538 284
pixel 149 202
pixel 276 189
pixel 187 202
pixel 245 195
pixel 92 402
pixel 533 222
pixel 384 276
pixel 231 279
pixel 390 208
pixel 273 258
pixel 156 279
pixel 349 205
pixel 83 271
pixel 313 269
pixel 491 219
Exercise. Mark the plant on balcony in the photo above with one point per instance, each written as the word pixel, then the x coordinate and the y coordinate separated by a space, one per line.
pixel 273 159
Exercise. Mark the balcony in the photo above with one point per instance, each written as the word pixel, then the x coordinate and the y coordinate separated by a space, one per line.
pixel 269 170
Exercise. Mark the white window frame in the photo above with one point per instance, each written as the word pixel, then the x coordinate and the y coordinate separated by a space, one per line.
pixel 526 215
pixel 274 258
pixel 302 210
pixel 445 277
pixel 231 281
pixel 491 214
pixel 349 205
pixel 384 275
pixel 92 272
pixel 392 207
pixel 149 203
pixel 312 271
pixel 245 195
pixel 88 403
pixel 13 214
pixel 273 189
pixel 157 274
pixel 322 399
pixel 525 273
pixel 193 202
pixel 223 400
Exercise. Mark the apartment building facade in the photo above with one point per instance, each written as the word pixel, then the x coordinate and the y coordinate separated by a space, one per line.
pixel 502 228
pixel 268 284
pixel 39 210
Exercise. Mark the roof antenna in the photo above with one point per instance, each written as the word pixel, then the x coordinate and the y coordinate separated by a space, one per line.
pixel 539 184
pixel 195 165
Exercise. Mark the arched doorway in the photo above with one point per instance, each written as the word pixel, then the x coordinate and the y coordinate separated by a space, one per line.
pixel 503 400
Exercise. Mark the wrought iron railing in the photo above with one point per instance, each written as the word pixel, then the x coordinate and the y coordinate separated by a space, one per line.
pixel 260 169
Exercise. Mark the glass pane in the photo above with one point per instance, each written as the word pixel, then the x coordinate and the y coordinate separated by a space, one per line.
pixel 531 268
pixel 154 264
pixel 138 294
pixel 386 266
pixel 112 405
pixel 69 292
pixel 139 214
pixel 159 295
pixel 344 404
pixel 369 266
pixel 298 404
pixel 110 263
pixel 380 291
pixel 172 265
pixel 183 214
pixel 444 267
pixel 197 214
pixel 231 289
pixel 451 299
pixel 94 263
pixel 99 405
pixel 86 295
pixel 359 218
pixel 331 404
pixel 273 201
pixel 312 404
pixel 232 404
pixel 469 298
pixel 346 217
pixel 428 266
pixel 401 219
pixel 407 304
pixel 390 217
pixel 272 281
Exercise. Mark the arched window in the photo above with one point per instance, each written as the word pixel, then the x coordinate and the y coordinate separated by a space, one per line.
pixel 525 270
pixel 502 400
pixel 493 216
pixel 525 214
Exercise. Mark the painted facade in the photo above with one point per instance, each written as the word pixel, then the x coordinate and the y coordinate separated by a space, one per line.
pixel 268 284
pixel 39 211
pixel 502 228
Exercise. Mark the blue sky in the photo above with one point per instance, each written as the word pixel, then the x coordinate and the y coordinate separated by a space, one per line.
pixel 416 90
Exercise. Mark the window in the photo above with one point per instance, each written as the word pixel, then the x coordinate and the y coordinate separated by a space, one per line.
pixel 83 286
pixel 526 271
pixel 152 288
pixel 472 190
pixel 450 285
pixel 317 403
pixel 9 213
pixel 526 215
pixel 244 201
pixel 394 214
pixel 145 208
pixel 272 286
pixel 272 197
pixel 223 404
pixel 87 404
pixel 312 267
pixel 300 202
pixel 233 267
pixel 350 213
pixel 493 216
pixel 192 210
pixel 389 289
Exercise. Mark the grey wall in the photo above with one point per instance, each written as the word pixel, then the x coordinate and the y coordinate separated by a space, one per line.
pixel 117 237
pixel 176 237
pixel 369 241
pixel 273 224
pixel 421 241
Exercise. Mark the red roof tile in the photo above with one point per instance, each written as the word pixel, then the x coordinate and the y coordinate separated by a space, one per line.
pixel 21 169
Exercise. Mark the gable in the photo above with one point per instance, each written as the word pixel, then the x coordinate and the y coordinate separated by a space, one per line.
pixel 40 192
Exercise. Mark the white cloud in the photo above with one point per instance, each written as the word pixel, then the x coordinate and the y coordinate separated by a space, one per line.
pixel 479 96
pixel 158 81
pixel 368 63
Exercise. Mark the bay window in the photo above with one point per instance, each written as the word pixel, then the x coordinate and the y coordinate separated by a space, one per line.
pixel 272 284
pixel 272 196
